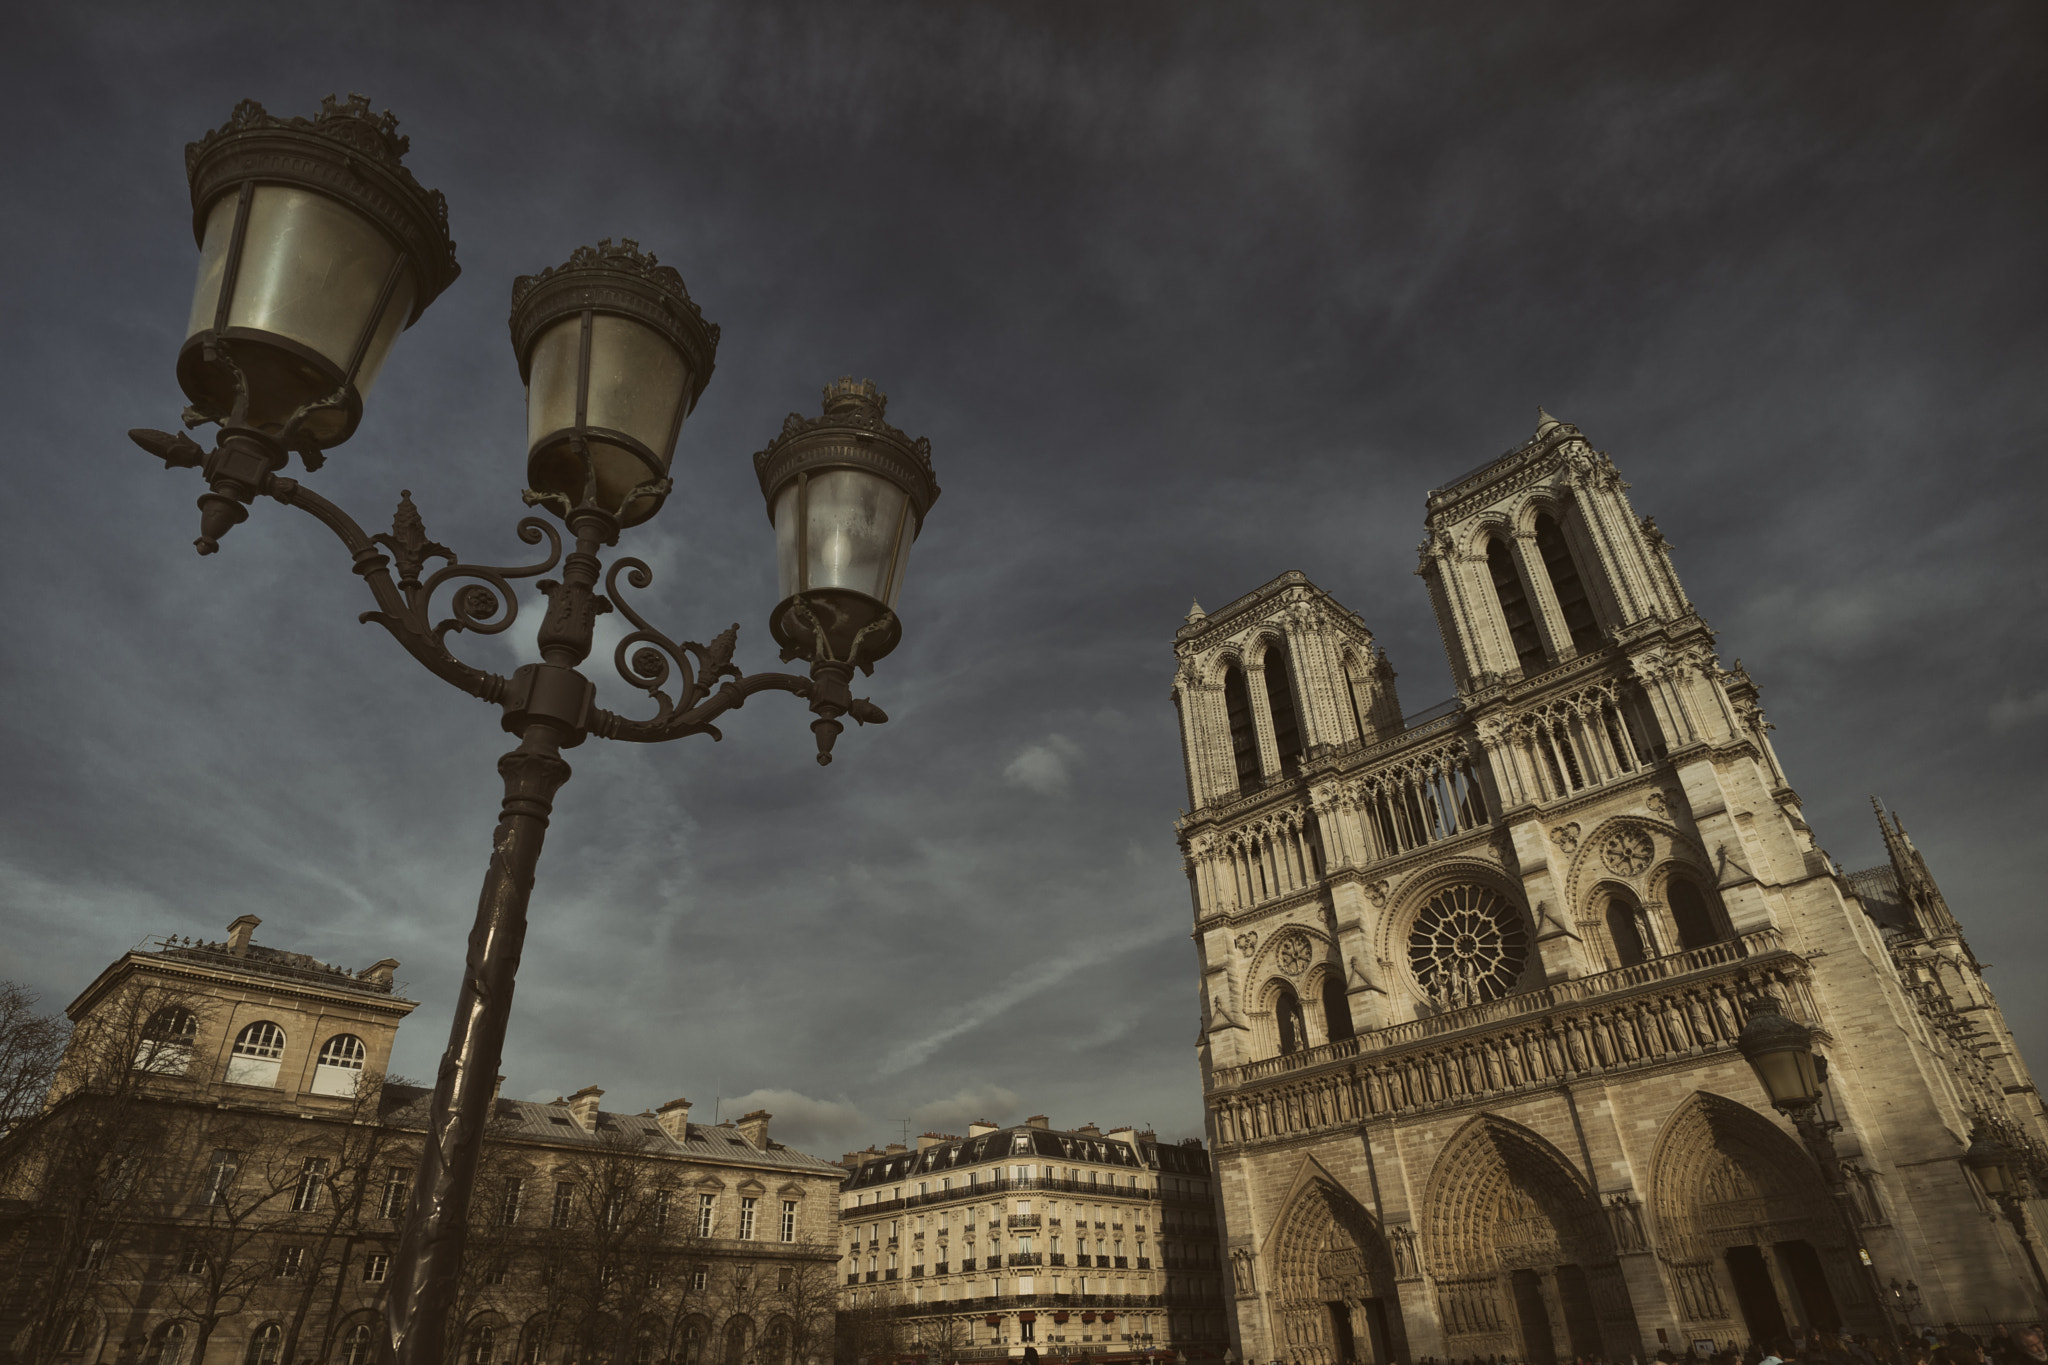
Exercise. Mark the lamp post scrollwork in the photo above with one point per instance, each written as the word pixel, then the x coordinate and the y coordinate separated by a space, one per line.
pixel 317 248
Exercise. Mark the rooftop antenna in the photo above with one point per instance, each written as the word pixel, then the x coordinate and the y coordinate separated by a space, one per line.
pixel 906 1131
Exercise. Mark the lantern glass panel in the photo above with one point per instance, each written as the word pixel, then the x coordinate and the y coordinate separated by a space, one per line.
pixel 551 384
pixel 213 260
pixel 857 531
pixel 311 271
pixel 637 381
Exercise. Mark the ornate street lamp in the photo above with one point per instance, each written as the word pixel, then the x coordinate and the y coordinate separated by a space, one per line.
pixel 1991 1162
pixel 317 247
pixel 1780 1050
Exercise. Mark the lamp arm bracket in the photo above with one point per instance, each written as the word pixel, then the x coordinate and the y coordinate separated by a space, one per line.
pixel 485 607
pixel 674 724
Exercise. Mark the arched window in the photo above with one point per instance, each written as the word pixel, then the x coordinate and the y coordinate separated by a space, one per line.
pixel 1244 735
pixel 357 1347
pixel 1566 585
pixel 1514 607
pixel 1280 705
pixel 167 1347
pixel 739 1335
pixel 693 1342
pixel 1337 1008
pixel 340 1065
pixel 483 1344
pixel 259 1050
pixel 1293 1029
pixel 1624 927
pixel 166 1048
pixel 264 1346
pixel 1689 913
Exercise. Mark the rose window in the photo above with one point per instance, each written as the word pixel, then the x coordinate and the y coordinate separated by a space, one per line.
pixel 1294 954
pixel 1468 946
pixel 1628 852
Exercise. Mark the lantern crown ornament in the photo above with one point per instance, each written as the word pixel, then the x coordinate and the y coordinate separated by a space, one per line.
pixel 317 247
pixel 614 354
pixel 847 494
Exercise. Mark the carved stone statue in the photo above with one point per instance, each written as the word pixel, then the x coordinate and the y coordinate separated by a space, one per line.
pixel 1401 1242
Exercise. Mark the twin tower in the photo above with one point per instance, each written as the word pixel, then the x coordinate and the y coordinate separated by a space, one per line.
pixel 1471 977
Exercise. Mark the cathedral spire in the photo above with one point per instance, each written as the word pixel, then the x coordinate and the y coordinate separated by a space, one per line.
pixel 1916 883
pixel 1195 612
pixel 1544 421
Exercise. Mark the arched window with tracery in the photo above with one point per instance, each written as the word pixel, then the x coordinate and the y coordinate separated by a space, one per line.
pixel 1337 1008
pixel 340 1066
pixel 257 1055
pixel 166 1047
pixel 1288 1017
pixel 1244 733
pixel 1280 705
pixel 1515 611
pixel 1625 929
pixel 167 1346
pixel 1690 916
pixel 1566 585
pixel 264 1346
pixel 739 1335
pixel 358 1347
pixel 483 1344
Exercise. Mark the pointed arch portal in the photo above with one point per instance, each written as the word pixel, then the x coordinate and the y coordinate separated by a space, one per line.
pixel 1335 1279
pixel 1751 1243
pixel 1524 1264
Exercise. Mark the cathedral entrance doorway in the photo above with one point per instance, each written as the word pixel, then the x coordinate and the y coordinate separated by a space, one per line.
pixel 1753 1245
pixel 1524 1263
pixel 1335 1279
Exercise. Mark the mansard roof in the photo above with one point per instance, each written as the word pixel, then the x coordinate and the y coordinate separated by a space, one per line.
pixel 1025 1140
pixel 405 1106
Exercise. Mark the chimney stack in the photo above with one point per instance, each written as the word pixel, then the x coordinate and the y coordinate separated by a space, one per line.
pixel 1038 1121
pixel 379 973
pixel 980 1126
pixel 925 1140
pixel 754 1128
pixel 583 1107
pixel 674 1118
pixel 240 932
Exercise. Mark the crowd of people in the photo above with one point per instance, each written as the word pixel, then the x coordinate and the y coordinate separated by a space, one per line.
pixel 2025 1345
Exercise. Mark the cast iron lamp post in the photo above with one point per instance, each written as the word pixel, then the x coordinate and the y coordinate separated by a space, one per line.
pixel 1991 1161
pixel 1780 1051
pixel 317 247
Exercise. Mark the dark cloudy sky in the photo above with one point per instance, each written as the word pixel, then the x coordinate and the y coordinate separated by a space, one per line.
pixel 1184 296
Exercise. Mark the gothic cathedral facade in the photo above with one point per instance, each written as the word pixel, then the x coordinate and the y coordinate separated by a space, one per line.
pixel 1471 980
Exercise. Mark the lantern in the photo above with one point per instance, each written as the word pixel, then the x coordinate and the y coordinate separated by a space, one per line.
pixel 316 248
pixel 614 355
pixel 847 494
pixel 1780 1051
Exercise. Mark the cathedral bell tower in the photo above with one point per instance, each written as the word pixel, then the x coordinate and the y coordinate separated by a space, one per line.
pixel 1472 977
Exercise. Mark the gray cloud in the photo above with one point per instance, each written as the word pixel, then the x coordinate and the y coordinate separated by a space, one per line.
pixel 1183 297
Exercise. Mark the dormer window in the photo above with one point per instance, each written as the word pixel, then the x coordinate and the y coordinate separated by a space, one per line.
pixel 340 1066
pixel 257 1055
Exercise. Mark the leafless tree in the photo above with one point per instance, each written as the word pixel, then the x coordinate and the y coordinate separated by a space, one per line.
pixel 31 1045
pixel 807 1293
pixel 79 1173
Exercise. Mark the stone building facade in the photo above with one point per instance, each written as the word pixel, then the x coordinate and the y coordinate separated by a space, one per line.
pixel 1068 1242
pixel 221 1172
pixel 1470 979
